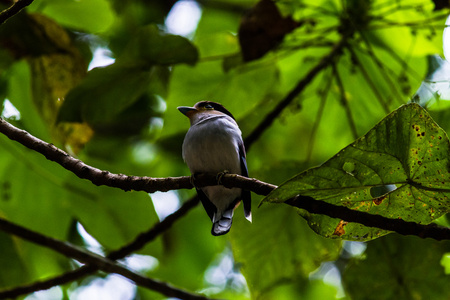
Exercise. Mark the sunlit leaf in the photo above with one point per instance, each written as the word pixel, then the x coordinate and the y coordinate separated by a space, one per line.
pixel 19 93
pixel 104 93
pixel 14 269
pixel 152 47
pixel 42 207
pixel 87 15
pixel 406 150
pixel 281 245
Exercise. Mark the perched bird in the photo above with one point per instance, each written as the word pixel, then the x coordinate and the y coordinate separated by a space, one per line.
pixel 214 144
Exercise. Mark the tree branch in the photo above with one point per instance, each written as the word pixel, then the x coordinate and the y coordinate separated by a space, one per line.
pixel 84 171
pixel 301 85
pixel 96 260
pixel 13 10
pixel 124 182
pixel 137 244
pixel 228 180
pixel 150 185
pixel 402 227
pixel 163 184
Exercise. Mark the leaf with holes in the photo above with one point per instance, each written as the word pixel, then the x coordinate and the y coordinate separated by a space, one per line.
pixel 399 169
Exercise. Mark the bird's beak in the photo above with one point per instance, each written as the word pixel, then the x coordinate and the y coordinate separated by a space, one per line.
pixel 186 110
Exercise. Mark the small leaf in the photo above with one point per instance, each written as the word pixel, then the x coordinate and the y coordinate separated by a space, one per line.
pixel 406 153
pixel 93 15
pixel 153 47
pixel 262 29
pixel 104 93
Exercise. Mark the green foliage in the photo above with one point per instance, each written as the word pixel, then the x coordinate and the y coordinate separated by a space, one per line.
pixel 87 15
pixel 124 84
pixel 123 118
pixel 281 227
pixel 406 149
pixel 136 73
pixel 401 277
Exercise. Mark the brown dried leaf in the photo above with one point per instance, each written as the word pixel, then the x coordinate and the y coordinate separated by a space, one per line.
pixel 262 29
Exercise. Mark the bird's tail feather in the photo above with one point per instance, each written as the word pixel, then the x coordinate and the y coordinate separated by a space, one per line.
pixel 223 225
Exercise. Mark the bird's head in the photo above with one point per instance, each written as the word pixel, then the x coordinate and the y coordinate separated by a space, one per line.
pixel 203 110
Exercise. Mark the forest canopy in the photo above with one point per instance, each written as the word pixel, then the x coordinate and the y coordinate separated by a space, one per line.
pixel 343 106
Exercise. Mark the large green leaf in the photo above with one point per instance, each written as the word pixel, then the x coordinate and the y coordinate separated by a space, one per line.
pixel 19 93
pixel 277 247
pixel 86 15
pixel 406 149
pixel 189 250
pixel 152 47
pixel 141 70
pixel 104 93
pixel 14 270
pixel 32 195
pixel 112 216
pixel 399 26
pixel 396 267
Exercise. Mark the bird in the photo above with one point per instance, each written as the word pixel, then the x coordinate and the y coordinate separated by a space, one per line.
pixel 213 144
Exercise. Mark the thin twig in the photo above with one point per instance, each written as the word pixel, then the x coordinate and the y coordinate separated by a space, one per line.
pixel 318 118
pixel 369 81
pixel 387 71
pixel 13 10
pixel 135 245
pixel 232 180
pixel 301 85
pixel 102 263
pixel 344 102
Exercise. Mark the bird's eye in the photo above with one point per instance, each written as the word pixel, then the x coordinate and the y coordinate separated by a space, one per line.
pixel 208 106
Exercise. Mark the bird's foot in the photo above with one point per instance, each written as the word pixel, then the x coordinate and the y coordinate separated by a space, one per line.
pixel 220 175
pixel 192 179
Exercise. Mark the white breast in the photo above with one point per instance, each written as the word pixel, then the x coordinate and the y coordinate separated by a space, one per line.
pixel 212 146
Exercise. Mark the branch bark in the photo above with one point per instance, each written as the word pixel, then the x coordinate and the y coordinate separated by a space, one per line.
pixel 13 10
pixel 301 85
pixel 76 274
pixel 121 181
pixel 402 227
pixel 96 260
pixel 150 185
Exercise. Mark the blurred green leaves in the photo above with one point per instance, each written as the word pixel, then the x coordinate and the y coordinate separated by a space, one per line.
pixel 255 244
pixel 87 15
pixel 108 91
pixel 150 46
pixel 410 269
pixel 123 118
pixel 104 93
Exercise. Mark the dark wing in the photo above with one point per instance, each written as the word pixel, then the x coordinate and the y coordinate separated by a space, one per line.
pixel 223 225
pixel 207 204
pixel 246 195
